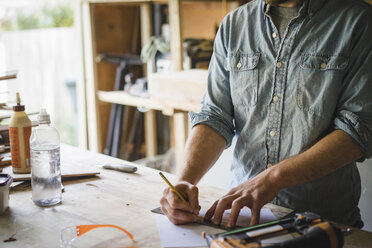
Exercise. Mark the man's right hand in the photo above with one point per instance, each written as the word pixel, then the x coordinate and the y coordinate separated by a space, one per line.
pixel 178 211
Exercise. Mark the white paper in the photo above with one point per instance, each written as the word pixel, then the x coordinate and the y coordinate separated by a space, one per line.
pixel 190 235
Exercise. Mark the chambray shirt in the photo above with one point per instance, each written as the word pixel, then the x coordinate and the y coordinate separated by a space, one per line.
pixel 279 96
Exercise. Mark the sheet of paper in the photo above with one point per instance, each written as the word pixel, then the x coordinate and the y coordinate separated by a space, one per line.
pixel 190 235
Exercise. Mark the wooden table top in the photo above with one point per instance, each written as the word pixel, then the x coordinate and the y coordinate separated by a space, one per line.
pixel 110 198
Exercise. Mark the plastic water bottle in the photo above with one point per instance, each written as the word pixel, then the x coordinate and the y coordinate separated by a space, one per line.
pixel 45 163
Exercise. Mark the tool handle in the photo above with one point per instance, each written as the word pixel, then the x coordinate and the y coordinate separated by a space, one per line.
pixel 322 235
pixel 121 167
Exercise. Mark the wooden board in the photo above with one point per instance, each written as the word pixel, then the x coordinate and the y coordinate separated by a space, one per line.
pixel 201 19
pixel 167 106
pixel 184 87
pixel 67 173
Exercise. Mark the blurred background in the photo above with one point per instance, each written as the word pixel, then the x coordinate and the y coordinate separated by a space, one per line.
pixel 40 41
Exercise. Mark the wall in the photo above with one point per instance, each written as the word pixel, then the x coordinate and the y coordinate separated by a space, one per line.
pixel 365 203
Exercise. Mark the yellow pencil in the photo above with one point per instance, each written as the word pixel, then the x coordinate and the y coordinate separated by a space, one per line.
pixel 172 187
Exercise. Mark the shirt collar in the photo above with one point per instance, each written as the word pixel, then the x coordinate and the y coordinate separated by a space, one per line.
pixel 314 6
pixel 310 7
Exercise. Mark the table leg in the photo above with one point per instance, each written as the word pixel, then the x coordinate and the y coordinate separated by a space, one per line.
pixel 150 133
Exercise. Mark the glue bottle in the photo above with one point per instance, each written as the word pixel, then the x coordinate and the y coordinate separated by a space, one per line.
pixel 19 136
pixel 45 163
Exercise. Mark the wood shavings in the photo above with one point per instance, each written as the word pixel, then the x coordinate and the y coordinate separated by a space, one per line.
pixel 90 184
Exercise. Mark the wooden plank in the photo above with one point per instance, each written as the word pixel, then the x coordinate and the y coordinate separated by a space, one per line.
pixel 171 106
pixel 150 116
pixel 8 75
pixel 201 19
pixel 121 97
pixel 81 82
pixel 146 23
pixel 180 137
pixel 176 34
pixel 66 173
pixel 146 29
pixel 186 87
pixel 90 79
pixel 150 133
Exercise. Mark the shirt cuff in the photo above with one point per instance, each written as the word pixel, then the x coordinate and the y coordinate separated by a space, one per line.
pixel 350 123
pixel 218 126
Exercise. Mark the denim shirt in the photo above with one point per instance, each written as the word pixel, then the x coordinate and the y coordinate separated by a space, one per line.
pixel 279 96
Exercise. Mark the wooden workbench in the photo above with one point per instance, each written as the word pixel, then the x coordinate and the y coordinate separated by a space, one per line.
pixel 111 198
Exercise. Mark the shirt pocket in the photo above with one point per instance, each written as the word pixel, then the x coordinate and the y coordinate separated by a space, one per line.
pixel 243 73
pixel 319 79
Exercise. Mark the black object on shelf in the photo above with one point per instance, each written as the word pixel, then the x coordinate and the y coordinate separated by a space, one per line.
pixel 114 132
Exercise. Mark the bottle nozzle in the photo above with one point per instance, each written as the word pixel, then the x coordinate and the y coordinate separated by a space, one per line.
pixel 18 107
pixel 43 117
pixel 18 97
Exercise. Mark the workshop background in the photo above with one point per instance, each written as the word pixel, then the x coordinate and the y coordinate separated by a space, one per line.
pixel 46 42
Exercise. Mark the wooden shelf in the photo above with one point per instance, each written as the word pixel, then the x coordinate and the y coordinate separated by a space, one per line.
pixel 121 97
pixel 121 26
pixel 168 107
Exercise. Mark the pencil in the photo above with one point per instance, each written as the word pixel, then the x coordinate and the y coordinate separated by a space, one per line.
pixel 172 187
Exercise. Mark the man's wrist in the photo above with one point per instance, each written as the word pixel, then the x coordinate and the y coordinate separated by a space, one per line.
pixel 185 180
pixel 277 175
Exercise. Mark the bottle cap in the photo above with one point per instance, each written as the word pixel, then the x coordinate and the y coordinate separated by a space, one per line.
pixel 43 117
pixel 18 107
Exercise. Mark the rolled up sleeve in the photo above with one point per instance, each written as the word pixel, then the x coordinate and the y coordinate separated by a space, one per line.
pixel 216 107
pixel 354 114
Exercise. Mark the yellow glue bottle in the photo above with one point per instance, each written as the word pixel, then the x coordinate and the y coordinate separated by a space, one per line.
pixel 19 135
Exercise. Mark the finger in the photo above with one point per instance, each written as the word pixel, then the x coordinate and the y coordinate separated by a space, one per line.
pixel 193 195
pixel 176 203
pixel 183 188
pixel 208 215
pixel 163 209
pixel 255 216
pixel 223 204
pixel 166 191
pixel 174 215
pixel 236 206
pixel 163 203
pixel 179 217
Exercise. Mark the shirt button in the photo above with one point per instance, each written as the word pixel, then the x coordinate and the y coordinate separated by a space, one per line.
pixel 279 64
pixel 269 165
pixel 272 133
pixel 274 35
pixel 323 65
pixel 238 65
pixel 276 98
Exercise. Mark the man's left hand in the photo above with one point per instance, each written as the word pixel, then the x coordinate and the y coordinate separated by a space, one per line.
pixel 254 194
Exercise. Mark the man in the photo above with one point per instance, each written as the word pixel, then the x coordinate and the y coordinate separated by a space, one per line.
pixel 292 79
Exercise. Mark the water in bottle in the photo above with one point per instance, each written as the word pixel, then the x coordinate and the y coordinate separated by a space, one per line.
pixel 45 163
